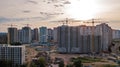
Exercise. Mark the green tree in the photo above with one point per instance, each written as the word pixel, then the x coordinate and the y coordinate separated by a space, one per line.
pixel 24 65
pixel 8 63
pixel 72 59
pixel 42 62
pixel 33 64
pixel 69 65
pixel 77 63
pixel 61 63
pixel 4 63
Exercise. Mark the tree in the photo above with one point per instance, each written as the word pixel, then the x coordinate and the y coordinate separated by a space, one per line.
pixel 16 43
pixel 4 63
pixel 69 65
pixel 8 63
pixel 61 63
pixel 24 65
pixel 77 63
pixel 72 59
pixel 33 64
pixel 42 62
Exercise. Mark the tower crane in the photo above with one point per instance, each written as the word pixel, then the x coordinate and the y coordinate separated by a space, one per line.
pixel 11 25
pixel 67 21
pixel 27 25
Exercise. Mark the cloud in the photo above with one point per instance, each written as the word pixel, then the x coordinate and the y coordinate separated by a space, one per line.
pixel 33 2
pixel 67 2
pixel 26 11
pixel 116 21
pixel 5 19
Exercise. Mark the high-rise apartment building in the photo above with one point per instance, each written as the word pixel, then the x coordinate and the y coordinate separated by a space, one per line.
pixel 63 38
pixel 12 35
pixel 50 34
pixel 20 35
pixel 83 39
pixel 3 38
pixel 26 35
pixel 43 35
pixel 55 35
pixel 106 35
pixel 35 37
pixel 15 54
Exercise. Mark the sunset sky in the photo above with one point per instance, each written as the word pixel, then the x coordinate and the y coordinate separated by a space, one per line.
pixel 41 12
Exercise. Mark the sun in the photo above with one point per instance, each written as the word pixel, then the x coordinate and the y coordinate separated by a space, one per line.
pixel 82 9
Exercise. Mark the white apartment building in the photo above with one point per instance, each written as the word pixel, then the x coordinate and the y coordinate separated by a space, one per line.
pixel 16 54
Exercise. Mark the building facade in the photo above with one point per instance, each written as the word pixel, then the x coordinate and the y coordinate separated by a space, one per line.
pixel 3 38
pixel 116 34
pixel 15 54
pixel 105 32
pixel 55 35
pixel 50 35
pixel 43 35
pixel 84 39
pixel 12 35
pixel 26 35
pixel 20 35
pixel 35 37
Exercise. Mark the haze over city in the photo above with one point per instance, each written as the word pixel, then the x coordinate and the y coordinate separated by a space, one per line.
pixel 40 12
pixel 59 33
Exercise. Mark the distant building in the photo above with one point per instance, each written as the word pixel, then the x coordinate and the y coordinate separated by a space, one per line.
pixel 15 54
pixel 43 35
pixel 81 39
pixel 20 35
pixel 50 34
pixel 55 35
pixel 26 35
pixel 85 38
pixel 12 35
pixel 63 38
pixel 3 38
pixel 116 34
pixel 35 37
pixel 74 39
pixel 105 32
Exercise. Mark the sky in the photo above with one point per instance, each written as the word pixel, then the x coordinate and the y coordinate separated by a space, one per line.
pixel 39 13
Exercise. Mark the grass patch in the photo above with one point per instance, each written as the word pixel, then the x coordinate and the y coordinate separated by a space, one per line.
pixel 86 59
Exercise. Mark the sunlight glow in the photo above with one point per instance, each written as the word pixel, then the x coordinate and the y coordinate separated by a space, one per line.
pixel 82 9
